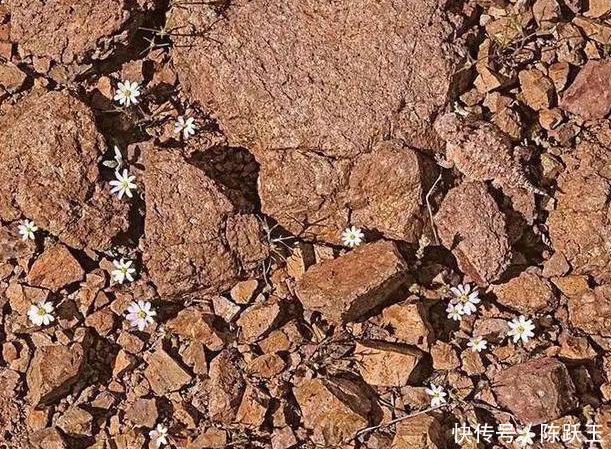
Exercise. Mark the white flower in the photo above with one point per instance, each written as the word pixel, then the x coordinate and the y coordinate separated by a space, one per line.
pixel 524 437
pixel 124 184
pixel 117 162
pixel 123 270
pixel 140 314
pixel 466 297
pixel 521 329
pixel 352 237
pixel 455 311
pixel 477 344
pixel 437 395
pixel 187 127
pixel 127 93
pixel 159 435
pixel 27 229
pixel 40 314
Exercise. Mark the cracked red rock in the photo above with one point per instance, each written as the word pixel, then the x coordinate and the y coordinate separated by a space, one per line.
pixel 528 293
pixel 227 387
pixel 164 374
pixel 590 94
pixel 55 268
pixel 386 364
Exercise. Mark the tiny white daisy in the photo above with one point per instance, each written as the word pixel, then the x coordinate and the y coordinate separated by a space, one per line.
pixel 127 93
pixel 123 270
pixel 524 437
pixel 140 314
pixel 41 314
pixel 186 126
pixel 352 237
pixel 116 162
pixel 27 229
pixel 521 329
pixel 477 344
pixel 437 395
pixel 124 184
pixel 455 312
pixel 159 435
pixel 466 297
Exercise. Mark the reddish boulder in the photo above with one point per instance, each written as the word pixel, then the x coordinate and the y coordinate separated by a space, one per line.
pixel 226 387
pixel 470 223
pixel 50 158
pixel 386 364
pixel 536 391
pixel 528 293
pixel 164 374
pixel 55 268
pixel 346 288
pixel 590 94
pixel 193 323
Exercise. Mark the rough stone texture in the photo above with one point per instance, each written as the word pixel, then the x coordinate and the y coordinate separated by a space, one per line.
pixel 471 225
pixel 334 411
pixel 50 149
pixel 48 438
pixel 164 374
pixel 339 77
pixel 419 432
pixel 528 293
pixel 226 388
pixel 409 323
pixel 346 288
pixel 536 391
pixel 53 370
pixel 55 268
pixel 386 364
pixel 538 89
pixel 186 211
pixel 314 196
pixel 193 323
pixel 579 227
pixel 246 240
pixel 590 94
pixel 258 319
pixel 590 311
pixel 75 421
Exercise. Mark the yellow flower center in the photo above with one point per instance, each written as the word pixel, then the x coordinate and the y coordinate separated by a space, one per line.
pixel 142 314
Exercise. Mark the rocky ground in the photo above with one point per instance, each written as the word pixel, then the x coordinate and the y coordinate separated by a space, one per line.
pixel 167 288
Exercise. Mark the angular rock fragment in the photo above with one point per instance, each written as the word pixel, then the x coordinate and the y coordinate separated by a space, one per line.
pixel 49 438
pixel 50 151
pixel 55 268
pixel 333 411
pixel 346 288
pixel 419 432
pixel 143 412
pixel 258 319
pixel 344 88
pixel 253 408
pixel 386 364
pixel 536 391
pixel 470 224
pixel 590 94
pixel 226 388
pixel 538 89
pixel 164 374
pixel 75 422
pixel 53 370
pixel 590 311
pixel 246 240
pixel 409 323
pixel 528 293
pixel 193 323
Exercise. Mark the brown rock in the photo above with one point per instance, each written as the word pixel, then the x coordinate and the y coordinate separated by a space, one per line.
pixel 537 391
pixel 386 364
pixel 226 388
pixel 102 321
pixel 590 94
pixel 11 78
pixel 266 366
pixel 246 240
pixel 546 10
pixel 143 413
pixel 591 311
pixel 212 438
pixel 53 370
pixel 259 319
pixel 559 74
pixel 444 356
pixel 472 363
pixel 193 323
pixel 253 408
pixel 482 250
pixel 48 438
pixel 123 362
pixel 283 438
pixel 333 411
pixel 528 293
pixel 75 422
pixel 55 180
pixel 597 8
pixel 331 101
pixel 243 291
pixel 419 432
pixel 348 287
pixel 55 268
pixel 186 212
pixel 537 89
pixel 575 348
pixel 164 373
pixel 408 321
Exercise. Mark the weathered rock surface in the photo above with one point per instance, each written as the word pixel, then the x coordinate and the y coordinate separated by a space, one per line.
pixel 409 323
pixel 348 287
pixel 579 227
pixel 193 323
pixel 386 364
pixel 470 224
pixel 536 391
pixel 419 432
pixel 50 150
pixel 226 388
pixel 55 268
pixel 338 78
pixel 333 411
pixel 590 94
pixel 528 293
pixel 590 311
pixel 53 370
pixel 164 374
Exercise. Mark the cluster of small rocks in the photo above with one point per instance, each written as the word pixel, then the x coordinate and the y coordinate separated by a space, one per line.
pixel 179 179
